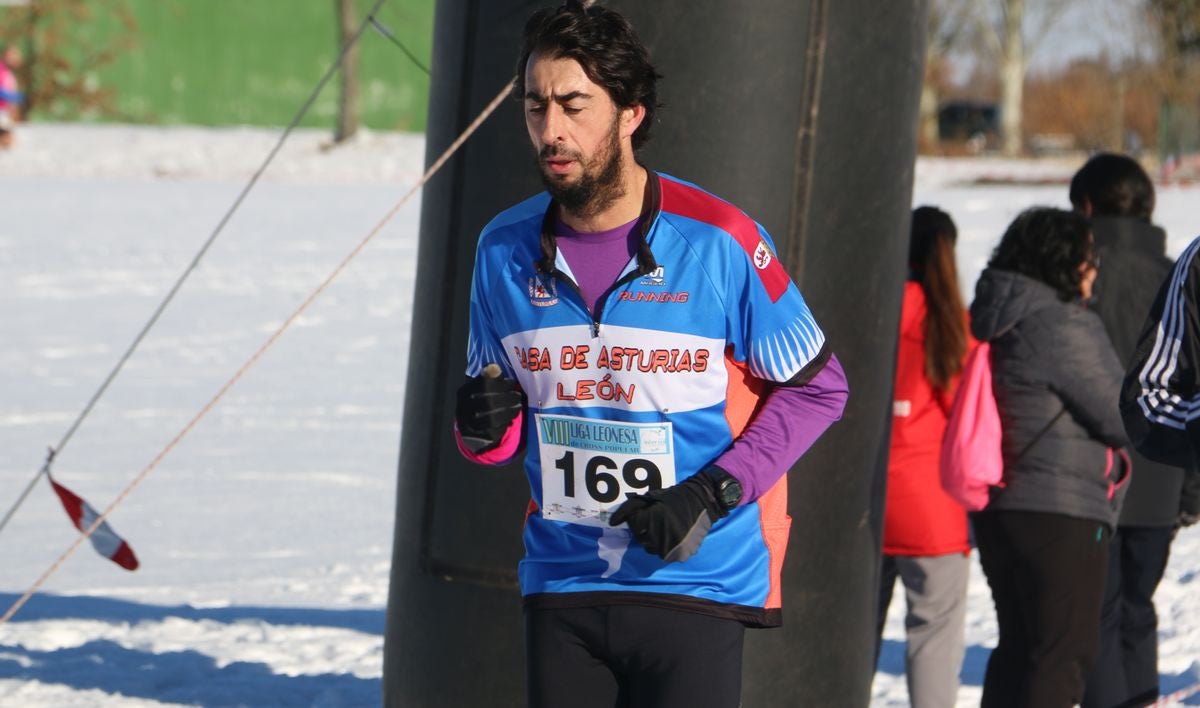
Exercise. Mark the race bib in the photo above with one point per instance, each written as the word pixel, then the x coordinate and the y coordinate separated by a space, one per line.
pixel 588 465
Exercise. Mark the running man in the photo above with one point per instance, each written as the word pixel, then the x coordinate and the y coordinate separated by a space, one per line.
pixel 639 339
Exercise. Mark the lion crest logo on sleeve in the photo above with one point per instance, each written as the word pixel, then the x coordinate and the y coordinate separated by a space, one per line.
pixel 762 255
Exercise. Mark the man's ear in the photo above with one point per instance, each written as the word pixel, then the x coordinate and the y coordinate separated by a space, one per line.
pixel 631 118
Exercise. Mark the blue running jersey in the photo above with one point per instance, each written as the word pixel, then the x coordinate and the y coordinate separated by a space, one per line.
pixel 642 394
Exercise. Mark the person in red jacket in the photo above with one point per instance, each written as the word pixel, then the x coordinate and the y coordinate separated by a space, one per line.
pixel 925 531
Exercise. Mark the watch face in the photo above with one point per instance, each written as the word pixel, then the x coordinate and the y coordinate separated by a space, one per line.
pixel 731 493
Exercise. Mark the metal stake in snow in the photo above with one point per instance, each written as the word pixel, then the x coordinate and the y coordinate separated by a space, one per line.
pixel 237 203
pixel 270 341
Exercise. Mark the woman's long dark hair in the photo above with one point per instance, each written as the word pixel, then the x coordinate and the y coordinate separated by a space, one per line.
pixel 931 263
pixel 1048 245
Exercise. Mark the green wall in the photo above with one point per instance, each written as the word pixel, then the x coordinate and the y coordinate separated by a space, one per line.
pixel 229 62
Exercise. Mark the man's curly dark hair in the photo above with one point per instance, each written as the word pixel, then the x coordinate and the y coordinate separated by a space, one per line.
pixel 1048 245
pixel 605 45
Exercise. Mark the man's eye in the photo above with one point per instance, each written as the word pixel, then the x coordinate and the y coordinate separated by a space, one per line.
pixel 571 110
pixel 534 108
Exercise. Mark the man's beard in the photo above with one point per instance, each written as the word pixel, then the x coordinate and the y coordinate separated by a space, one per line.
pixel 599 183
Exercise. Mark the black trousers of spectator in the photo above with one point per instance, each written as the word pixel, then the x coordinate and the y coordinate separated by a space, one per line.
pixel 628 656
pixel 1126 670
pixel 1046 572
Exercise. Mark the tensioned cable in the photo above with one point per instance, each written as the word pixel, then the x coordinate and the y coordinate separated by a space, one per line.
pixel 237 203
pixel 270 341
pixel 388 33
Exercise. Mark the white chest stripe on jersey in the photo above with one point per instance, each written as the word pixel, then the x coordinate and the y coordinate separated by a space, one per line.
pixel 624 367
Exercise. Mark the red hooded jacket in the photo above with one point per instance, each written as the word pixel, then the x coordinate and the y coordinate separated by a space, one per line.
pixel 919 518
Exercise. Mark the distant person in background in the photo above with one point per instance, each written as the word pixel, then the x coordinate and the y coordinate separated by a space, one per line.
pixel 1118 196
pixel 10 95
pixel 925 531
pixel 1043 537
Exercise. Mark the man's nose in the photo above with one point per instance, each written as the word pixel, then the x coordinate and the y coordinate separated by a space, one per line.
pixel 552 125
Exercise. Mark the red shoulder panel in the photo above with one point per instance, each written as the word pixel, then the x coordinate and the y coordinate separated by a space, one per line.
pixel 693 203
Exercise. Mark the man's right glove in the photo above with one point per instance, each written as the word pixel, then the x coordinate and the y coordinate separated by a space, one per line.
pixel 486 407
pixel 671 523
pixel 1187 518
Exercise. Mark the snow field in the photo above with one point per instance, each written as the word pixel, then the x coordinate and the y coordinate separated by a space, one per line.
pixel 265 535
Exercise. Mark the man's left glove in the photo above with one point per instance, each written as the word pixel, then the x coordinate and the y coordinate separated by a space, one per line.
pixel 671 523
pixel 486 406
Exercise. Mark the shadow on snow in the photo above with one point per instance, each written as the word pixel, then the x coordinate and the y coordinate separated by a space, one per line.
pixel 1188 679
pixel 184 676
pixel 891 661
pixel 52 607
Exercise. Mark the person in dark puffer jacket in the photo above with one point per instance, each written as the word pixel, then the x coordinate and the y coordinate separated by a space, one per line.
pixel 1118 196
pixel 1043 537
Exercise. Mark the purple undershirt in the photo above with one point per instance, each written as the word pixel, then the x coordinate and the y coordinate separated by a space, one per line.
pixel 596 259
pixel 789 421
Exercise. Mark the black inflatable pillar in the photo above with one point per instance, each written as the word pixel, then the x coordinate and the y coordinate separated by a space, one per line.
pixel 804 115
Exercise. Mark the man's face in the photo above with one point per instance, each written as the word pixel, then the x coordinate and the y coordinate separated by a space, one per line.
pixel 577 132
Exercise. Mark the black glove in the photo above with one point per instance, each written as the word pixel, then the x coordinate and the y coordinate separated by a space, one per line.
pixel 486 407
pixel 671 523
pixel 1187 518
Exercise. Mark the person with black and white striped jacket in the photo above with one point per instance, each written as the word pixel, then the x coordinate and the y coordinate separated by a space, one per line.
pixel 1160 399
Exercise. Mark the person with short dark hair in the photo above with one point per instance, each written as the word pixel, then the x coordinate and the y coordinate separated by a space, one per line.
pixel 1112 185
pixel 639 338
pixel 1117 194
pixel 1043 536
pixel 924 529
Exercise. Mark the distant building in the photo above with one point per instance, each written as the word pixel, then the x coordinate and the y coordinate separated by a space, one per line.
pixel 975 123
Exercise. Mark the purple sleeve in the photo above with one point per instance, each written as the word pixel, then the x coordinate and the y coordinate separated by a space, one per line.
pixel 789 422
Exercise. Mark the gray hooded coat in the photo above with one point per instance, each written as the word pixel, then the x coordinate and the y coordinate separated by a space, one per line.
pixel 1048 355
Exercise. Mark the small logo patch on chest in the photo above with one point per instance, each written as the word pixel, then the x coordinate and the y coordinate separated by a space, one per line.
pixel 543 291
pixel 654 278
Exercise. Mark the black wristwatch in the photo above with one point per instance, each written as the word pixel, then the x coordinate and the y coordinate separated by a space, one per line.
pixel 728 488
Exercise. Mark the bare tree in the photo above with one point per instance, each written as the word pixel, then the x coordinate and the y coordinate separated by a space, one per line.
pixel 1001 25
pixel 1175 25
pixel 348 98
pixel 62 55
pixel 949 23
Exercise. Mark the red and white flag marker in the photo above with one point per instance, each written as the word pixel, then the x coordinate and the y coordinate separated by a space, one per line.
pixel 106 541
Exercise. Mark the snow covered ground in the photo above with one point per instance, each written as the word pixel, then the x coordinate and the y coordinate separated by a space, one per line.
pixel 265 536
